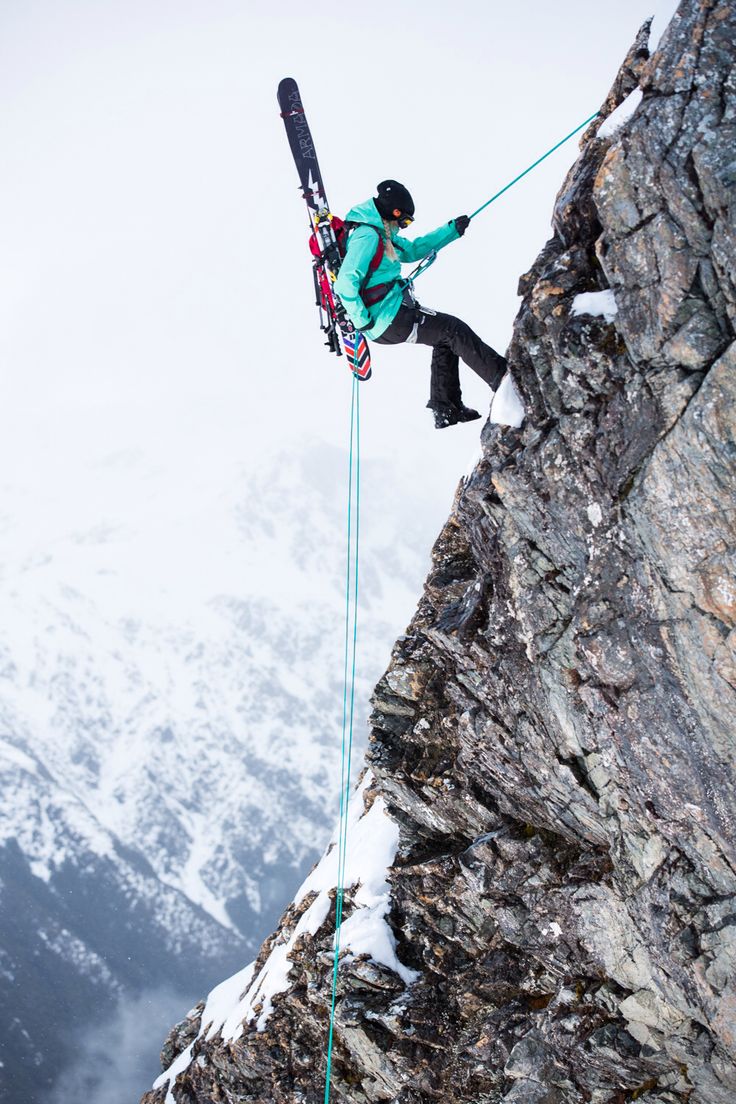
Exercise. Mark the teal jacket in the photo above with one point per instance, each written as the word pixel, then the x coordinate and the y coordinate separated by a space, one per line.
pixel 361 250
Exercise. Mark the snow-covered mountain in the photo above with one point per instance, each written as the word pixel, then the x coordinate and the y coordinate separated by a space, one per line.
pixel 170 690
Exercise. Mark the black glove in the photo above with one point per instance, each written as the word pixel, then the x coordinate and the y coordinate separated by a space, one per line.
pixel 462 223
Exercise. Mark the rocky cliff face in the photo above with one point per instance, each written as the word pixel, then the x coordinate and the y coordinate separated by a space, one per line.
pixel 554 734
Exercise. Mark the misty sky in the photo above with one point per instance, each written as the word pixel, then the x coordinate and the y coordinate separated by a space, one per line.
pixel 155 289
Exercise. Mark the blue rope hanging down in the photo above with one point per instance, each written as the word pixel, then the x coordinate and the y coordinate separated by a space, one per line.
pixel 348 702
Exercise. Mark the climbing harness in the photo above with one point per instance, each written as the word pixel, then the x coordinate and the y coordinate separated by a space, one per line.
pixel 432 257
pixel 348 700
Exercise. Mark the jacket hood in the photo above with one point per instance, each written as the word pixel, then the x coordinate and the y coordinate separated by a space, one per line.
pixel 365 213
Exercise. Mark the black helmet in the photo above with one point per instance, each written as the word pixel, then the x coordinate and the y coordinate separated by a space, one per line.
pixel 394 201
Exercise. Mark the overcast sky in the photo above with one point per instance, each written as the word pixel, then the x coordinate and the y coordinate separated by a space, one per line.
pixel 155 288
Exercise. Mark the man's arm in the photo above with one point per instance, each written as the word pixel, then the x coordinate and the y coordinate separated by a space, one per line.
pixel 419 248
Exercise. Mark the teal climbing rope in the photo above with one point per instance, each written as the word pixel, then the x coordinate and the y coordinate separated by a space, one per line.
pixel 432 257
pixel 348 700
pixel 537 162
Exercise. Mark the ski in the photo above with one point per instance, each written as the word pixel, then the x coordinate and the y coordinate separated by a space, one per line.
pixel 327 235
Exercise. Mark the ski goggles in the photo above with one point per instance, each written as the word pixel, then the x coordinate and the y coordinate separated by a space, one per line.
pixel 402 219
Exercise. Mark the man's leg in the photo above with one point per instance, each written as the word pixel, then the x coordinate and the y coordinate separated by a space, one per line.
pixel 444 387
pixel 444 331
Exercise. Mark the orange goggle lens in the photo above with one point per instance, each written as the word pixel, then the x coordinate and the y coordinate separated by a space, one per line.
pixel 402 219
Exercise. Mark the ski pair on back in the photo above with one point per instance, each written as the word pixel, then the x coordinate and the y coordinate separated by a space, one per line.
pixel 328 237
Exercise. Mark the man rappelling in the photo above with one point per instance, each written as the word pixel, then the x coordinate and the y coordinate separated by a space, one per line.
pixel 384 309
pixel 357 274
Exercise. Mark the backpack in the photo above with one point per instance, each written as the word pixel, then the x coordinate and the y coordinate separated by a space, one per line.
pixel 341 230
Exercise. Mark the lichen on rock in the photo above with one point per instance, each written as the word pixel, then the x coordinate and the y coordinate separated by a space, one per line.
pixel 555 733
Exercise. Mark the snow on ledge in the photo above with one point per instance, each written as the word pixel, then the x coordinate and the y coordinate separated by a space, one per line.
pixel 507 407
pixel 600 304
pixel 373 838
pixel 620 115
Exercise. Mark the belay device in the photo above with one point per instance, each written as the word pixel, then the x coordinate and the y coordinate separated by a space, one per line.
pixel 328 236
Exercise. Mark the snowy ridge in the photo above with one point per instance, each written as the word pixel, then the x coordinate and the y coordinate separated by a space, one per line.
pixel 55 832
pixel 373 839
pixel 187 744
pixel 170 667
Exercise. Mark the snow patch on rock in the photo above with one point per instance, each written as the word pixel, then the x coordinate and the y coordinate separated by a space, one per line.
pixel 507 407
pixel 599 304
pixel 620 115
pixel 595 514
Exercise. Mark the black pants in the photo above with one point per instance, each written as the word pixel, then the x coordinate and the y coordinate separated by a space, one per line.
pixel 450 339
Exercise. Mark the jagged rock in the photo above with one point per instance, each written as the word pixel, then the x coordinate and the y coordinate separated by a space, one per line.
pixel 181 1035
pixel 554 735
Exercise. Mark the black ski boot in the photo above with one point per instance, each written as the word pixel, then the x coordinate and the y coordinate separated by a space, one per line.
pixel 447 414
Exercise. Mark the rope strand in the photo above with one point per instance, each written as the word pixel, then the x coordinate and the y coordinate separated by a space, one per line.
pixel 537 162
pixel 348 706
pixel 429 260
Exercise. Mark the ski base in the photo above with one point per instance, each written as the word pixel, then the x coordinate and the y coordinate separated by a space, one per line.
pixel 358 354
